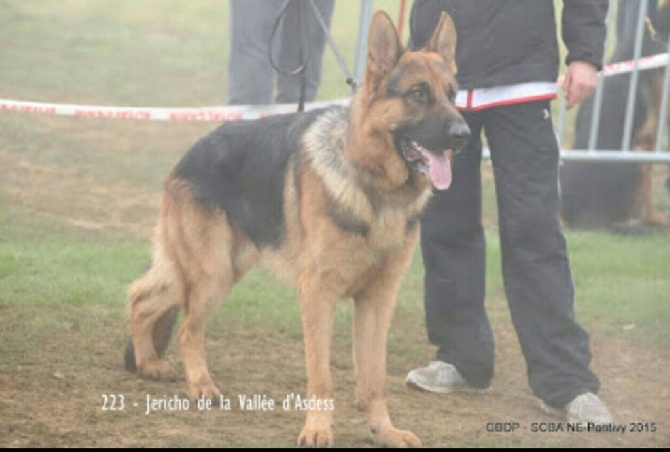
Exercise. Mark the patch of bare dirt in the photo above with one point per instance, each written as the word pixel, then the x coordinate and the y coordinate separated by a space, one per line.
pixel 56 192
pixel 66 400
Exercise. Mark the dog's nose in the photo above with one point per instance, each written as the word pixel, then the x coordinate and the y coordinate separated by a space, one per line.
pixel 459 134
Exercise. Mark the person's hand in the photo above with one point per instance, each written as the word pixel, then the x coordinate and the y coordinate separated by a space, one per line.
pixel 579 82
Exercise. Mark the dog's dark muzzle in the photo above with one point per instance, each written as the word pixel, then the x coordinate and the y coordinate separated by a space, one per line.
pixel 436 135
pixel 459 134
pixel 428 146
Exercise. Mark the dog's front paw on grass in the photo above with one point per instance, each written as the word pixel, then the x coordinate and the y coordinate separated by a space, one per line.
pixel 205 390
pixel 317 432
pixel 393 437
pixel 158 369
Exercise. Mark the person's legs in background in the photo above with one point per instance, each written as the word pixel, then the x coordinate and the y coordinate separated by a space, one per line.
pixel 250 77
pixel 288 87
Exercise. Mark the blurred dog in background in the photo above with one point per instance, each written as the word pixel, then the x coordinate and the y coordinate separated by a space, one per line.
pixel 618 195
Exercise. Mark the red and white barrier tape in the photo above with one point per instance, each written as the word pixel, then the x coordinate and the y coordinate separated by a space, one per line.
pixel 237 112
pixel 218 114
pixel 644 63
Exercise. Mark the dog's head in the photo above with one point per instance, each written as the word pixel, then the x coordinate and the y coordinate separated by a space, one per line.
pixel 407 105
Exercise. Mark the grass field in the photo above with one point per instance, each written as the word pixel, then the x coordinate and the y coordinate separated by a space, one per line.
pixel 78 200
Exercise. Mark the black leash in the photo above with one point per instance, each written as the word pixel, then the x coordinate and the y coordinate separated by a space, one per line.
pixel 304 49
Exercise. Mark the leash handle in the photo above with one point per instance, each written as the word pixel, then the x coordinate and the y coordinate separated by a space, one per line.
pixel 304 49
pixel 303 54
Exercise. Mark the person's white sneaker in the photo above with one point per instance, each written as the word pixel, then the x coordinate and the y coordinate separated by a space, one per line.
pixel 440 377
pixel 584 409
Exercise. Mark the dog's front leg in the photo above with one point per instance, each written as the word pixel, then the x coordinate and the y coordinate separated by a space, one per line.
pixel 372 318
pixel 317 307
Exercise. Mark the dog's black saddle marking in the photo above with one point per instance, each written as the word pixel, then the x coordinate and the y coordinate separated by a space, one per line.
pixel 241 167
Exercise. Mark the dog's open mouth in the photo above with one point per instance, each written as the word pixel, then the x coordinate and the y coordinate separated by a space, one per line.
pixel 436 166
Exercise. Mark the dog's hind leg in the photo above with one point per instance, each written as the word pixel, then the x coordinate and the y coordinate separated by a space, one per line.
pixel 204 297
pixel 161 335
pixel 154 304
pixel 219 256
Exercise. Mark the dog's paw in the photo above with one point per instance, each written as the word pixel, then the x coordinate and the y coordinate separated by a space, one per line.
pixel 207 390
pixel 317 432
pixel 393 437
pixel 158 369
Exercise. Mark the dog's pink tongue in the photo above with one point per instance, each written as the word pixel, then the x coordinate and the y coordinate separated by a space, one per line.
pixel 440 170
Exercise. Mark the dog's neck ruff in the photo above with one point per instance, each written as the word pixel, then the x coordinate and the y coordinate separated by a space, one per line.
pixel 325 145
pixel 326 141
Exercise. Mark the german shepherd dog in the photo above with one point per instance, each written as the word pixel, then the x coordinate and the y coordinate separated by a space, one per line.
pixel 329 199
pixel 618 195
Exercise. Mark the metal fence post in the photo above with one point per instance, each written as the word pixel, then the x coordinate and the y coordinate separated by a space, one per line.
pixel 598 100
pixel 632 90
pixel 361 54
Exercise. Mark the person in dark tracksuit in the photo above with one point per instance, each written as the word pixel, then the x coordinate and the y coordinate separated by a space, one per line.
pixel 508 59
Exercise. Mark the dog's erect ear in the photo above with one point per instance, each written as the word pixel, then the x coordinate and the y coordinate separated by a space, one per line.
pixel 443 41
pixel 384 48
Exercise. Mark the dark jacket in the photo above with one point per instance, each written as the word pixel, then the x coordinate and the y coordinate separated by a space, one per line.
pixel 503 42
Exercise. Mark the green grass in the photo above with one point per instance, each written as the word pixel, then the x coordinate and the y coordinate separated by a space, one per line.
pixel 623 282
pixel 62 272
pixel 77 271
pixel 175 54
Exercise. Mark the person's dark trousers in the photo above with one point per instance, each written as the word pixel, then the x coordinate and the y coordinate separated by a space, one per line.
pixel 536 272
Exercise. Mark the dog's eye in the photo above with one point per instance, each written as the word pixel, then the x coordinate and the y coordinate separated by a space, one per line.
pixel 451 95
pixel 418 94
